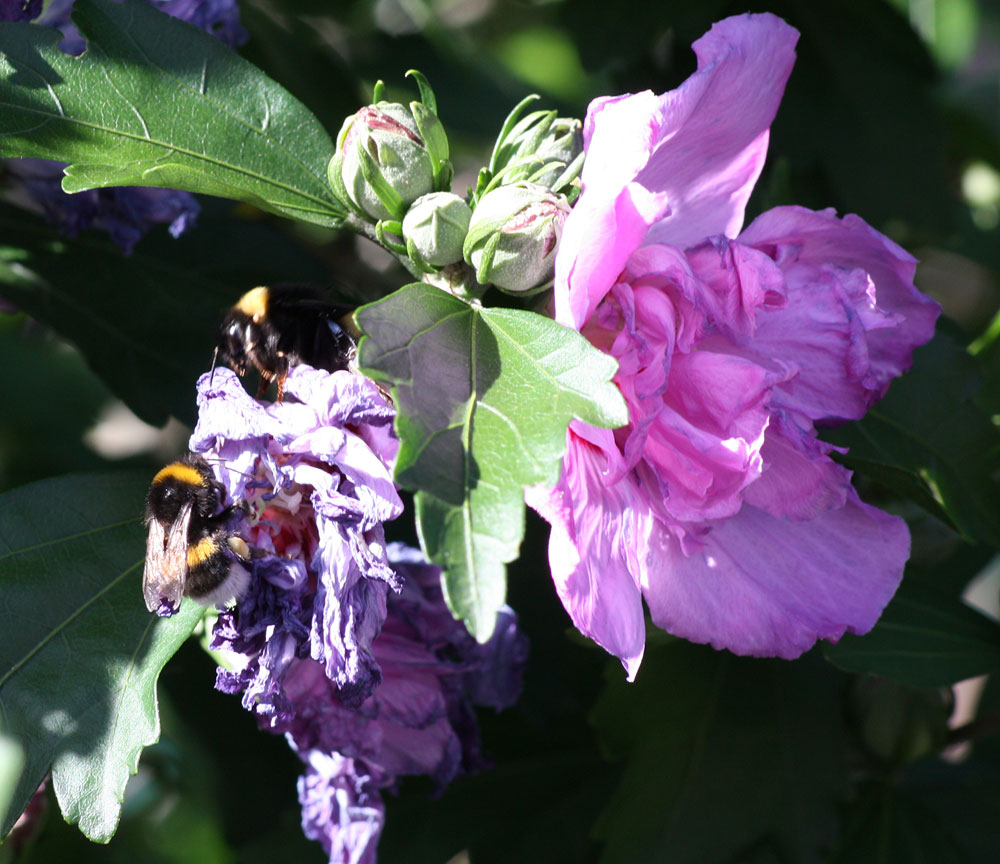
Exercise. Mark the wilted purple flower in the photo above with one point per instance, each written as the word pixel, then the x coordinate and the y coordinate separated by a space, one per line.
pixel 221 18
pixel 20 10
pixel 342 644
pixel 126 213
pixel 341 808
pixel 316 468
pixel 716 503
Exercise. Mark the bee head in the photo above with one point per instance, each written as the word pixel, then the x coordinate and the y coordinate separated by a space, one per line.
pixel 235 335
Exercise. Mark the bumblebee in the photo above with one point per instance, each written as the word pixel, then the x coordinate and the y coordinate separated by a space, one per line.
pixel 275 328
pixel 190 549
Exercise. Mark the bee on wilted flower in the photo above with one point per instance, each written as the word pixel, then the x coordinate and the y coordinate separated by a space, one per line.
pixel 191 549
pixel 275 328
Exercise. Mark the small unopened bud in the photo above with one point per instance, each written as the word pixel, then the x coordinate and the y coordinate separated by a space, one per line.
pixel 540 148
pixel 435 227
pixel 559 149
pixel 513 236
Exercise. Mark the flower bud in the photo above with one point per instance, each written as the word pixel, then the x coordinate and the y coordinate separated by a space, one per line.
pixel 435 227
pixel 540 148
pixel 898 724
pixel 561 146
pixel 513 236
pixel 389 155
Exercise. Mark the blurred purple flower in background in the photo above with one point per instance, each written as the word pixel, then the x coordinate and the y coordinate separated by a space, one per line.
pixel 717 504
pixel 343 643
pixel 20 10
pixel 126 213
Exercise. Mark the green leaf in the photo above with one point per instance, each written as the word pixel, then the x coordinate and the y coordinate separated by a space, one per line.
pixel 80 655
pixel 721 754
pixel 484 398
pixel 926 637
pixel 158 102
pixel 883 826
pixel 146 323
pixel 928 428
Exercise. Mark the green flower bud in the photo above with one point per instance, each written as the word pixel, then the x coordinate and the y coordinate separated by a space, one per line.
pixel 513 236
pixel 540 148
pixel 389 155
pixel 561 147
pixel 435 227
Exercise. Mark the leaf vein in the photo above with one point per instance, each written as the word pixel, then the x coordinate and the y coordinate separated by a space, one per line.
pixel 59 629
pixel 66 538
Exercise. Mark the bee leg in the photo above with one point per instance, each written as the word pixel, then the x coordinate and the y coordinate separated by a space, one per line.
pixel 265 382
pixel 281 373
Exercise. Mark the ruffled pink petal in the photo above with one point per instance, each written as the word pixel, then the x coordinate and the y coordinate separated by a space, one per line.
pixel 613 214
pixel 593 550
pixel 853 316
pixel 799 480
pixel 767 586
pixel 712 144
pixel 704 445
pixel 682 164
pixel 738 281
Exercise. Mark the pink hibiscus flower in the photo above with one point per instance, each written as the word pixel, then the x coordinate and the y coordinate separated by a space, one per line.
pixel 717 504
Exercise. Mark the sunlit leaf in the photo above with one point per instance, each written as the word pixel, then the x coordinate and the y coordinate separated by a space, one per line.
pixel 158 102
pixel 484 398
pixel 80 654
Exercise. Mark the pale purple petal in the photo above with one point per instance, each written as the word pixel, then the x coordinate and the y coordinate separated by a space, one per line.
pixel 856 268
pixel 738 283
pixel 593 549
pixel 799 481
pixel 608 222
pixel 767 586
pixel 341 807
pixel 711 146
pixel 676 168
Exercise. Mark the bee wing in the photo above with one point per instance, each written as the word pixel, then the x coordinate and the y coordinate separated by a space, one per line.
pixel 166 561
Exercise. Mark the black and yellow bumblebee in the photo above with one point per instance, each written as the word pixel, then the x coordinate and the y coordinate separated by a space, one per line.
pixel 275 328
pixel 191 549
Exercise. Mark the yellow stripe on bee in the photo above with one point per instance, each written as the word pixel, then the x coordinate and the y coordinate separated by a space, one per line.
pixel 180 471
pixel 201 551
pixel 254 303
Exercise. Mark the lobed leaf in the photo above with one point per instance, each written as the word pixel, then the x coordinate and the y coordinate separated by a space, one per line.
pixel 80 654
pixel 484 399
pixel 158 102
